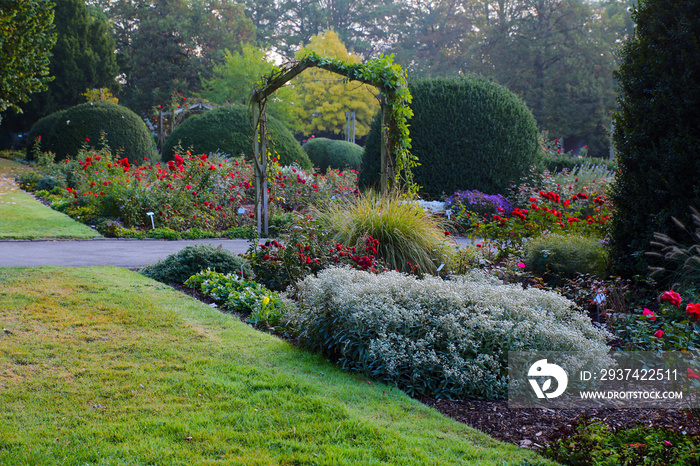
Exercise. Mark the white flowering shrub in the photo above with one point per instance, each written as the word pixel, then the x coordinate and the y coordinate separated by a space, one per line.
pixel 434 337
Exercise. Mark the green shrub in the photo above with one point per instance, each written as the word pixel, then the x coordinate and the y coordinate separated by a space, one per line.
pixel 84 124
pixel 410 239
pixel 178 267
pixel 557 257
pixel 42 129
pixel 468 133
pixel 304 250
pixel 656 133
pixel 564 162
pixel 595 444
pixel 341 155
pixel 163 233
pixel 435 337
pixel 48 183
pixel 262 306
pixel 229 130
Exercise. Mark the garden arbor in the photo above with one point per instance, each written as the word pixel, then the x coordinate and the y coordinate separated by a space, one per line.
pixel 394 97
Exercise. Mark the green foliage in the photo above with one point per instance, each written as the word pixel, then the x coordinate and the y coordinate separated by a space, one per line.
pixel 176 45
pixel 382 73
pixel 332 153
pixel 674 327
pixel 228 130
pixel 82 58
pixel 42 129
pixel 305 250
pixel 262 306
pixel 469 133
pixel 566 162
pixel 26 39
pixel 435 337
pixel 410 239
pixel 323 97
pixel 595 444
pixel 234 79
pixel 178 267
pixel 163 233
pixel 656 137
pixel 72 129
pixel 677 263
pixel 557 257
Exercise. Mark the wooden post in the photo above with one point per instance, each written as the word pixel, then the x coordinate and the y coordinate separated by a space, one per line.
pixel 263 158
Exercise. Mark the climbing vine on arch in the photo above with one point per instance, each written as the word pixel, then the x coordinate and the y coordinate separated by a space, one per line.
pixel 394 99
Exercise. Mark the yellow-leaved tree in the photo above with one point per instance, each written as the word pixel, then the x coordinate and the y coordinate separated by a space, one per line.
pixel 323 98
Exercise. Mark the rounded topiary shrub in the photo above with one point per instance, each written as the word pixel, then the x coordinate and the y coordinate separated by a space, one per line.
pixel 42 129
pixel 332 153
pixel 468 133
pixel 228 129
pixel 65 132
pixel 557 257
pixel 178 267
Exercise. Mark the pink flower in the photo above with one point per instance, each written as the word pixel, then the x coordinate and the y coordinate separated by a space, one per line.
pixel 521 265
pixel 667 443
pixel 659 333
pixel 650 315
pixel 672 297
pixel 692 374
pixel 693 310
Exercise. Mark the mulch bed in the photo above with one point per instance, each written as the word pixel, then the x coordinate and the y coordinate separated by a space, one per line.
pixel 537 428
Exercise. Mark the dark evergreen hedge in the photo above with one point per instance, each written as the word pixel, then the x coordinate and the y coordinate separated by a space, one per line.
pixel 333 153
pixel 657 130
pixel 468 133
pixel 66 131
pixel 228 129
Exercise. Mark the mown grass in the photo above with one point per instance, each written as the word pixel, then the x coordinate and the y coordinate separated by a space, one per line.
pixel 23 217
pixel 104 366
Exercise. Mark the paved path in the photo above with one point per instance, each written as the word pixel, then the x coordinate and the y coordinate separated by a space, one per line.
pixel 129 253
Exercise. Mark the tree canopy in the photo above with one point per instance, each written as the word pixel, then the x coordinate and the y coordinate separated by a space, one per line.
pixel 167 46
pixel 82 58
pixel 323 97
pixel 26 38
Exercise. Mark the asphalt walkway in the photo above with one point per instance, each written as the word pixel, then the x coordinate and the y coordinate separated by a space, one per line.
pixel 129 253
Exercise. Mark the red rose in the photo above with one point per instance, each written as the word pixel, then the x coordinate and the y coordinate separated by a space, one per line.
pixel 672 297
pixel 693 310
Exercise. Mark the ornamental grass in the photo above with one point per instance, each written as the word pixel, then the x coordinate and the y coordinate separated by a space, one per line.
pixel 410 239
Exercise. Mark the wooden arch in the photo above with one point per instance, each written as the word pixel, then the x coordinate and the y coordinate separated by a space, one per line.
pixel 394 98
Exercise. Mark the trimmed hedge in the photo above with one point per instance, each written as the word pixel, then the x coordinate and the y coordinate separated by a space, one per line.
pixel 178 267
pixel 333 153
pixel 468 133
pixel 66 131
pixel 657 130
pixel 228 129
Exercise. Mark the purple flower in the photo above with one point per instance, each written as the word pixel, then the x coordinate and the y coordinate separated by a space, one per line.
pixel 476 201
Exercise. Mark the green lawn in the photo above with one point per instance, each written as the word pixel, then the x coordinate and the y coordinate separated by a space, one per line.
pixel 23 217
pixel 104 366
